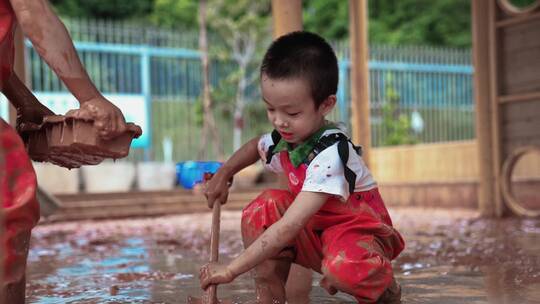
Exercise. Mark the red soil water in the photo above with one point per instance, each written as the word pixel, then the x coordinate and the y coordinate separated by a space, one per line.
pixel 451 257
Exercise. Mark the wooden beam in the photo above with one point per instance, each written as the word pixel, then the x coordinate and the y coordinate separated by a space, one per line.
pixel 287 16
pixel 484 106
pixel 518 20
pixel 129 204
pixel 519 97
pixel 360 117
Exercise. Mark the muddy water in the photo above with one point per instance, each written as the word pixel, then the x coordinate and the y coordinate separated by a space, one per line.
pixel 451 257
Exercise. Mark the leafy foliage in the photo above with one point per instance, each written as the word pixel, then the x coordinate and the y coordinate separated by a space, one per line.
pixel 173 13
pixel 441 22
pixel 329 19
pixel 396 125
pixel 104 9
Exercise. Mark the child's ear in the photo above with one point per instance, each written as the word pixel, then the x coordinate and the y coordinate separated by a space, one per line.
pixel 328 104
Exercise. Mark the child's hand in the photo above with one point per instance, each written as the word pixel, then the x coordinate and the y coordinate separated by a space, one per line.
pixel 215 273
pixel 217 188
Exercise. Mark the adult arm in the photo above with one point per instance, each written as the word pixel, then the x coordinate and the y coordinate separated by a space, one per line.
pixel 52 41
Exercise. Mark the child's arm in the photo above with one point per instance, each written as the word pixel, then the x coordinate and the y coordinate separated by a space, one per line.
pixel 269 244
pixel 217 187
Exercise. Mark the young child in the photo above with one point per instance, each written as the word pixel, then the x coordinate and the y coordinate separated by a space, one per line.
pixel 332 219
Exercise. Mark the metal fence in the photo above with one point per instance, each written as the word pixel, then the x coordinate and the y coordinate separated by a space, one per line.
pixel 418 94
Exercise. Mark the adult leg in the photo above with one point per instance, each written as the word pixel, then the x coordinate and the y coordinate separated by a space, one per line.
pixel 21 212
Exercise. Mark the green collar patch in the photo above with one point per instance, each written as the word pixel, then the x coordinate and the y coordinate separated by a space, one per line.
pixel 298 154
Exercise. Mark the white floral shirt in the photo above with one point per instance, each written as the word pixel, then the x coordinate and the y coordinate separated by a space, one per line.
pixel 325 171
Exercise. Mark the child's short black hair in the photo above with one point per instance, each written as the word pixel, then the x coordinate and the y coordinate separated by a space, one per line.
pixel 304 55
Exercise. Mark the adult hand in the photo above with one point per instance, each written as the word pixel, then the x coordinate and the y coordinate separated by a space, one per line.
pixel 30 118
pixel 108 119
pixel 217 188
pixel 214 273
pixel 30 111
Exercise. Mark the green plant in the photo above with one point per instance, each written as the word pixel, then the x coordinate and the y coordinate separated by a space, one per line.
pixel 395 124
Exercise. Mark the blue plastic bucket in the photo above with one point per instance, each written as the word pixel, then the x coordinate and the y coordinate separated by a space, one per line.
pixel 190 173
pixel 179 172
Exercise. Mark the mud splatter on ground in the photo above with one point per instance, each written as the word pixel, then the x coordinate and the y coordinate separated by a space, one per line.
pixel 451 257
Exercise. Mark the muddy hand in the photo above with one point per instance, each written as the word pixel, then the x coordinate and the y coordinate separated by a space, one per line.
pixel 30 112
pixel 108 119
pixel 217 189
pixel 30 118
pixel 214 273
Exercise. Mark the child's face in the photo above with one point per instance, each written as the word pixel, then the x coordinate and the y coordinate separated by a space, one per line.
pixel 291 108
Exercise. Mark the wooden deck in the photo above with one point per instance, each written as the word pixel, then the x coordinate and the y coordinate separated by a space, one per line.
pixel 135 204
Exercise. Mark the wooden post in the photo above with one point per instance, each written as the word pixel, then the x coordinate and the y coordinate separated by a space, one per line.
pixel 484 106
pixel 287 15
pixel 360 116
pixel 494 113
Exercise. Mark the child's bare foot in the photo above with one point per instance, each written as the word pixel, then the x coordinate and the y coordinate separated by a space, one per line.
pixel 327 286
pixel 392 295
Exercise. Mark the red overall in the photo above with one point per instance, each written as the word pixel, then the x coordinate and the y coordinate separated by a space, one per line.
pixel 351 243
pixel 7 33
pixel 17 180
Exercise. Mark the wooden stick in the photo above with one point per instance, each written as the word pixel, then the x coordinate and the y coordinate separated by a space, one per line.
pixel 211 293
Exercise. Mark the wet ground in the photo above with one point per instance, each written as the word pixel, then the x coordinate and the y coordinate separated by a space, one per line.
pixel 451 257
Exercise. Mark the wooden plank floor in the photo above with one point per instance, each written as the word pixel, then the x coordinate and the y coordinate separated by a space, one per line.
pixel 137 204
